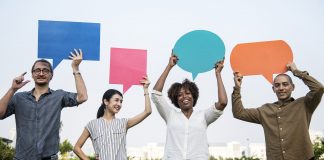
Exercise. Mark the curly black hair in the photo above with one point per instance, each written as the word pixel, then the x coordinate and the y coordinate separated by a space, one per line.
pixel 175 88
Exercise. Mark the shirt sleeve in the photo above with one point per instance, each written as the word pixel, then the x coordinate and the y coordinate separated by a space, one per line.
pixel 69 99
pixel 124 123
pixel 212 114
pixel 239 112
pixel 314 96
pixel 91 127
pixel 162 106
pixel 10 108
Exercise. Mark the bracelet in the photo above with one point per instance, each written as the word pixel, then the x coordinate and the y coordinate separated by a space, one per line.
pixel 146 94
pixel 76 73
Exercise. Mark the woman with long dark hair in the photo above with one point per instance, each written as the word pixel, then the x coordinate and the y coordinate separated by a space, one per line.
pixel 108 133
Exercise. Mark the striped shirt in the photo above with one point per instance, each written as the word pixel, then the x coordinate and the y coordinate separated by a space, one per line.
pixel 108 138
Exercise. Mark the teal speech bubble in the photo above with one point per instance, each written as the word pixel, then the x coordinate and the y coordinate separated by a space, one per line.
pixel 198 51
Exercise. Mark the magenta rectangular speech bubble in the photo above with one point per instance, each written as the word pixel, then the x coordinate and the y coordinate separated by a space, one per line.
pixel 127 66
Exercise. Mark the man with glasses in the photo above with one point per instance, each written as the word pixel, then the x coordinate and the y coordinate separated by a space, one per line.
pixel 37 112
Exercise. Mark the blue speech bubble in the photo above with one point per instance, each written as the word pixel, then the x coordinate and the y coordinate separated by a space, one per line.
pixel 56 39
pixel 198 51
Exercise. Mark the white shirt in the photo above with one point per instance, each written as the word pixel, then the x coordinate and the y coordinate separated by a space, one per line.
pixel 186 138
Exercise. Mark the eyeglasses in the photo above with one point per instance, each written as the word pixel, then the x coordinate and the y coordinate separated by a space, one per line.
pixel 38 71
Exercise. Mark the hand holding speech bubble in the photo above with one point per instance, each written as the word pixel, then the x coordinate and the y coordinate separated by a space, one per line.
pixel 198 51
pixel 56 39
pixel 261 58
pixel 127 66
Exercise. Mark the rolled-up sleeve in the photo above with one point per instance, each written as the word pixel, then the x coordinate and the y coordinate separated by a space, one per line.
pixel 212 114
pixel 314 96
pixel 69 99
pixel 161 104
pixel 10 108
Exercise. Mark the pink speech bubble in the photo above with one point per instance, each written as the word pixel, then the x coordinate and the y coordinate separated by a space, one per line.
pixel 127 66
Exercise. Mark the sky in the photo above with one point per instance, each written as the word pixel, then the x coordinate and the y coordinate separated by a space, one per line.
pixel 155 26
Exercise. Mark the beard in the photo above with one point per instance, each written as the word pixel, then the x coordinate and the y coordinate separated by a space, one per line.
pixel 41 84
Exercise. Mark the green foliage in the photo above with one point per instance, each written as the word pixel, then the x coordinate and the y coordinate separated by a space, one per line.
pixel 6 151
pixel 249 158
pixel 92 157
pixel 318 147
pixel 65 147
pixel 242 158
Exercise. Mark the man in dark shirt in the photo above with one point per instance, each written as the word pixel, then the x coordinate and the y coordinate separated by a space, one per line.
pixel 37 112
pixel 285 122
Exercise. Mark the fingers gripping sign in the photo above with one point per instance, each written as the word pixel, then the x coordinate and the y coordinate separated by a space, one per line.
pixel 238 78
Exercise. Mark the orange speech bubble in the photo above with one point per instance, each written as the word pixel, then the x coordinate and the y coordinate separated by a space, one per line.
pixel 261 58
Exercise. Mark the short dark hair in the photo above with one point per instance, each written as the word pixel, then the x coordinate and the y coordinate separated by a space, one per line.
pixel 43 61
pixel 175 88
pixel 283 74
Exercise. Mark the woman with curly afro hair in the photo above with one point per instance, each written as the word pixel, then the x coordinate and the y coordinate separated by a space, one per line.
pixel 186 127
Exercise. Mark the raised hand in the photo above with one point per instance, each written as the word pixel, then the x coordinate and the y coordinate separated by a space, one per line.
pixel 145 82
pixel 238 78
pixel 291 66
pixel 19 82
pixel 219 66
pixel 76 57
pixel 173 59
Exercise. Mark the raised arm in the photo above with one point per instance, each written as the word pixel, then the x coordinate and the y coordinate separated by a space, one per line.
pixel 77 147
pixel 239 112
pixel 81 89
pixel 314 96
pixel 222 97
pixel 147 111
pixel 17 83
pixel 160 83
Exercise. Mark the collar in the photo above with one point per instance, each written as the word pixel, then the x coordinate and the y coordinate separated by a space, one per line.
pixel 280 103
pixel 48 92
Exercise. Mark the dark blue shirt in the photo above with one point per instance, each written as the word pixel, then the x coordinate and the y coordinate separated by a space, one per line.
pixel 38 123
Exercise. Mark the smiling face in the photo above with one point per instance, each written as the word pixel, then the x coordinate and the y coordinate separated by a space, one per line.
pixel 41 73
pixel 114 104
pixel 283 87
pixel 185 99
pixel 183 93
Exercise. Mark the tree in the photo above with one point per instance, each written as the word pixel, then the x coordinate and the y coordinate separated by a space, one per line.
pixel 318 147
pixel 249 158
pixel 65 147
pixel 6 151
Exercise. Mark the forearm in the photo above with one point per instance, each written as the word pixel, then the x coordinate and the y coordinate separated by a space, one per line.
pixel 78 151
pixel 160 83
pixel 5 101
pixel 239 112
pixel 148 109
pixel 77 147
pixel 237 106
pixel 222 96
pixel 140 117
pixel 310 81
pixel 81 89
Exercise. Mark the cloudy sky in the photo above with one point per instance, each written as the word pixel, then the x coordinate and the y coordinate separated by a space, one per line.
pixel 155 27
